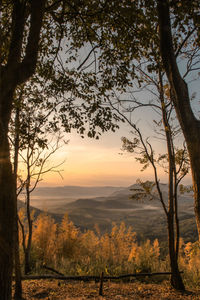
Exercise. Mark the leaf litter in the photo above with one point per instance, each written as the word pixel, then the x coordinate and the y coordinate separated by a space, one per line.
pixel 61 290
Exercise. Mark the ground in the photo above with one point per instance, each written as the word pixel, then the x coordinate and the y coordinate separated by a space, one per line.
pixel 60 290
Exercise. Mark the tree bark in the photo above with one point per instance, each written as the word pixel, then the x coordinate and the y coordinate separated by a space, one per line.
pixel 27 252
pixel 176 279
pixel 7 198
pixel 27 267
pixel 189 124
pixel 6 225
pixel 18 283
pixel 14 72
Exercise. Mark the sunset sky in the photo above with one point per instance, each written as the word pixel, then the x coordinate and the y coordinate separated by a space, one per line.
pixel 90 162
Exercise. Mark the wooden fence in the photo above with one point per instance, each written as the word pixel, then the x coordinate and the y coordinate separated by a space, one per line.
pixel 101 278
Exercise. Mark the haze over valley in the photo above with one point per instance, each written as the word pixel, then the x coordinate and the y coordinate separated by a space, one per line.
pixel 91 206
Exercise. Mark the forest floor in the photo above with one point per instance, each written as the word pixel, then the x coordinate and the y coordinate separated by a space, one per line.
pixel 60 290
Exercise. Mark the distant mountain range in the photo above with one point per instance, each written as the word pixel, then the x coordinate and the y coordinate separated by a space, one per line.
pixel 87 206
pixel 71 191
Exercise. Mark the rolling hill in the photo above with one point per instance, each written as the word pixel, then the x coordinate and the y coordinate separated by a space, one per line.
pixel 105 205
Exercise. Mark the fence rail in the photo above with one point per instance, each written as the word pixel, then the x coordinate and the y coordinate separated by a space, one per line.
pixel 90 278
pixel 101 278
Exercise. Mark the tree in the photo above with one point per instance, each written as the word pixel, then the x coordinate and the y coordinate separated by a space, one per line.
pixel 37 165
pixel 179 88
pixel 171 210
pixel 27 132
pixel 134 34
pixel 138 30
pixel 168 31
pixel 68 242
pixel 46 37
pixel 30 135
pixel 17 265
pixel 36 151
pixel 176 162
pixel 34 37
pixel 13 71
pixel 45 243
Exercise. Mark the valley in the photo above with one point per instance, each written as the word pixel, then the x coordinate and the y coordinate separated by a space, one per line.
pixel 88 207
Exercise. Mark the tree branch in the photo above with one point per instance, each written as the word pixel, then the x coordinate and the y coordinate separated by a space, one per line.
pixel 27 67
pixel 18 24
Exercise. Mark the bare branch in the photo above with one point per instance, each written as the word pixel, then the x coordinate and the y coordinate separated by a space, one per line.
pixel 87 57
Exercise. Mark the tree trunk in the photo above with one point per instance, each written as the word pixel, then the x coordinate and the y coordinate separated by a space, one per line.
pixel 27 252
pixel 13 73
pixel 27 268
pixel 172 215
pixel 7 193
pixel 194 153
pixel 176 279
pixel 7 214
pixel 177 238
pixel 189 124
pixel 18 283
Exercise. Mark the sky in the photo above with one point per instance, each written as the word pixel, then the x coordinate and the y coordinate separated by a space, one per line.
pixel 89 162
pixel 95 163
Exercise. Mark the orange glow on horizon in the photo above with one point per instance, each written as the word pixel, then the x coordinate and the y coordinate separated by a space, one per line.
pixel 97 163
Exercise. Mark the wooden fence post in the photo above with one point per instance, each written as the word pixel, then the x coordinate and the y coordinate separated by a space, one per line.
pixel 101 284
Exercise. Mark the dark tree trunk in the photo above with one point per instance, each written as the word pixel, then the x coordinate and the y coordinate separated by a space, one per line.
pixel 172 214
pixel 176 279
pixel 6 226
pixel 18 282
pixel 194 153
pixel 27 249
pixel 7 201
pixel 189 124
pixel 177 238
pixel 12 74
pixel 27 268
